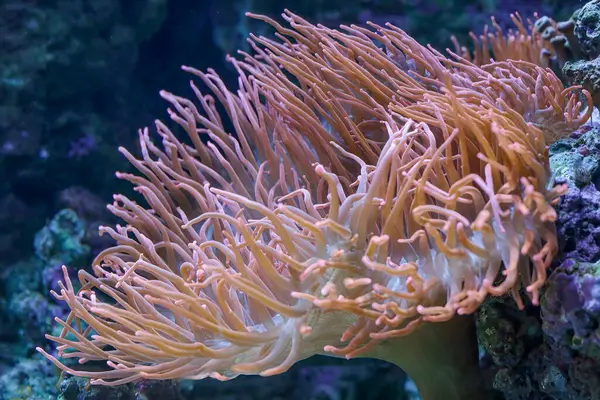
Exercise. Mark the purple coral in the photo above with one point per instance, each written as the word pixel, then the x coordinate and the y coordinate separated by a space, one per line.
pixel 83 146
pixel 571 323
pixel 578 223
pixel 571 307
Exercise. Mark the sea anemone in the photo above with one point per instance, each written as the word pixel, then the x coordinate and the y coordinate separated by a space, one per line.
pixel 538 40
pixel 370 196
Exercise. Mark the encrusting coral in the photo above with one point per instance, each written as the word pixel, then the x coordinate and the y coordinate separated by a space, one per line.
pixel 372 189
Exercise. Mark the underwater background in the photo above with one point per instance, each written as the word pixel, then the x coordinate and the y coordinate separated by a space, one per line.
pixel 78 79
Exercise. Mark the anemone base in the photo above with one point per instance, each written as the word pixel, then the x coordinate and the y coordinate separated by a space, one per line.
pixel 442 359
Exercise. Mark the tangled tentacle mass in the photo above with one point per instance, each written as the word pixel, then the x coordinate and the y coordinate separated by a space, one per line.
pixel 363 185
